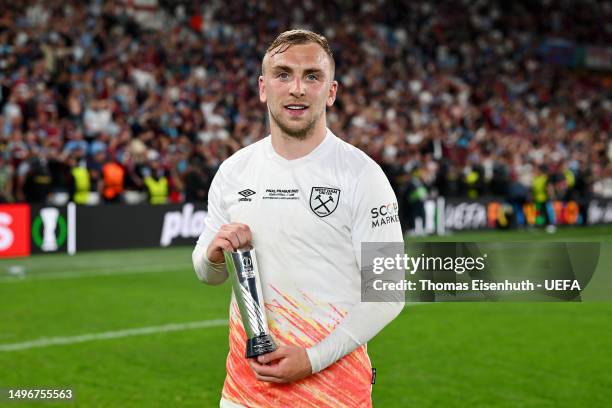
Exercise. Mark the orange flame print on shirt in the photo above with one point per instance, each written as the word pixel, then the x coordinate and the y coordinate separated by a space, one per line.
pixel 345 383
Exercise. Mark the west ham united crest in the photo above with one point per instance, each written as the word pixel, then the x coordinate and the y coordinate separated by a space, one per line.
pixel 324 200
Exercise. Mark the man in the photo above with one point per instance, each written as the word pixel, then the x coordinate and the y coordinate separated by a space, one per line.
pixel 6 180
pixel 304 199
pixel 113 181
pixel 155 180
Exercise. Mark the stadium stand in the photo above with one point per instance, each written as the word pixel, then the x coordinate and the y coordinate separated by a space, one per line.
pixel 127 101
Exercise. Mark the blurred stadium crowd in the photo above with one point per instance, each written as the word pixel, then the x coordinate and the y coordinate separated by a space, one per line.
pixel 452 98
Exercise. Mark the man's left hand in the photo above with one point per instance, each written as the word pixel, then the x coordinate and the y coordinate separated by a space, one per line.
pixel 285 365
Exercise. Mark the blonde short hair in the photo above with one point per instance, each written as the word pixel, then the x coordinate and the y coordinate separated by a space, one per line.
pixel 297 37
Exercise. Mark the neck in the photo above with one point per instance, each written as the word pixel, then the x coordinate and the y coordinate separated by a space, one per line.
pixel 292 148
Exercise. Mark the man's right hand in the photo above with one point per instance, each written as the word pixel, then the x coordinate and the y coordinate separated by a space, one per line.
pixel 230 238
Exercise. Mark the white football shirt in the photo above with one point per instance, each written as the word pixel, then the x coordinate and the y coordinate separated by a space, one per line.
pixel 308 218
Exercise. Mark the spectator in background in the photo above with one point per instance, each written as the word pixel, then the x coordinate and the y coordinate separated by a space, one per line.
pixel 113 179
pixel 197 181
pixel 156 181
pixel 34 180
pixel 6 181
pixel 81 179
pixel 542 192
pixel 451 80
pixel 75 141
pixel 98 118
pixel 95 163
pixel 414 201
pixel 62 181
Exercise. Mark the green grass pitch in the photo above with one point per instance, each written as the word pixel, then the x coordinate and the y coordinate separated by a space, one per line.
pixel 113 326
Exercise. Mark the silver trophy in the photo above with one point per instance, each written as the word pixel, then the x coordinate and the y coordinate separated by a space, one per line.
pixel 242 266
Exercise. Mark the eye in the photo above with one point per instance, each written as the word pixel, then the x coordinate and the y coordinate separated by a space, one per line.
pixel 283 76
pixel 312 77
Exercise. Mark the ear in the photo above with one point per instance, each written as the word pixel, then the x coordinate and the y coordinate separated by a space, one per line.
pixel 331 97
pixel 262 89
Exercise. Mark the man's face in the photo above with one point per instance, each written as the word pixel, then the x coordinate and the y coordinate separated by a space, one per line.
pixel 297 87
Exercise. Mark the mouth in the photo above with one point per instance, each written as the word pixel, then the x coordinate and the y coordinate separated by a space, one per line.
pixel 296 109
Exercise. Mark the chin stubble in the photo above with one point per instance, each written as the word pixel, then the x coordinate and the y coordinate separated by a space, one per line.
pixel 297 134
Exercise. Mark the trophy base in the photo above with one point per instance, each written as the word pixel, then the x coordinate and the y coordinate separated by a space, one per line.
pixel 259 345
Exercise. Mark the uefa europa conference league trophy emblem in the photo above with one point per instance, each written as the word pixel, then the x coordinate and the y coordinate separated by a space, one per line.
pixel 242 265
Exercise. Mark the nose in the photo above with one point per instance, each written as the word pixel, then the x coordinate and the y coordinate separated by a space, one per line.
pixel 297 90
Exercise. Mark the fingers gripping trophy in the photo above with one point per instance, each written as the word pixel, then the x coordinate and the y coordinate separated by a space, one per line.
pixel 242 267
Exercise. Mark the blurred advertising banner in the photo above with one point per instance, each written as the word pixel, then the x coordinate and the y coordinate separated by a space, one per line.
pixel 459 215
pixel 26 229
pixel 49 228
pixel 14 230
pixel 138 226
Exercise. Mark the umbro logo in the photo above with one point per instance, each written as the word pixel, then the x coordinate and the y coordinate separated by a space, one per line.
pixel 245 194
